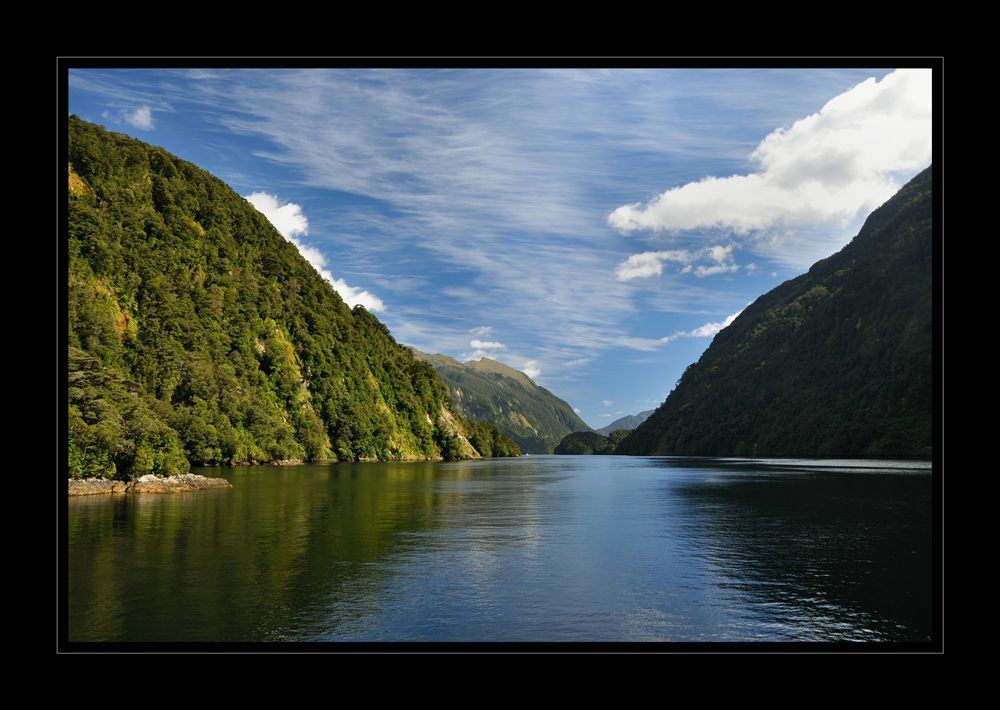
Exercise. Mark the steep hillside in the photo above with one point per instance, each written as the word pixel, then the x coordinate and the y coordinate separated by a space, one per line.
pixel 489 391
pixel 837 362
pixel 198 334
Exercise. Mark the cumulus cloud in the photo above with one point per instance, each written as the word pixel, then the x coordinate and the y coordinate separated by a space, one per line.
pixel 576 409
pixel 530 368
pixel 824 168
pixel 650 263
pixel 141 118
pixel 289 220
pixel 606 402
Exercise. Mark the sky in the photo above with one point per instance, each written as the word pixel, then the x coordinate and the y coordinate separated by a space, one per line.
pixel 592 228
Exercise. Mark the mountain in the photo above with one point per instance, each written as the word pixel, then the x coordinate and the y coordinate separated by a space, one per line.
pixel 629 421
pixel 198 334
pixel 489 391
pixel 835 363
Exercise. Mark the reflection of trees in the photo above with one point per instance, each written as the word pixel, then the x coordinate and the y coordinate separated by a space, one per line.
pixel 248 564
pixel 829 550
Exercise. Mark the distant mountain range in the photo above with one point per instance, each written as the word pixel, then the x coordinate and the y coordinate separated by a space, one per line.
pixel 629 421
pixel 489 391
pixel 838 362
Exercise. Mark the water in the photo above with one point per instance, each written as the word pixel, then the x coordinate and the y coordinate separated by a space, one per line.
pixel 563 549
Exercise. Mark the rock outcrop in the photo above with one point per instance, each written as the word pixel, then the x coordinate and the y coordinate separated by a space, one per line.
pixel 146 484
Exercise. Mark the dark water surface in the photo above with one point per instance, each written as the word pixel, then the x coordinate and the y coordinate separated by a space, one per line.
pixel 567 548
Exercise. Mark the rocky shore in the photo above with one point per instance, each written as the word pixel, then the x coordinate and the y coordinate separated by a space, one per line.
pixel 146 484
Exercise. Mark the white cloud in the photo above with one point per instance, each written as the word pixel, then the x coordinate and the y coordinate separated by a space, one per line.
pixel 530 368
pixel 289 220
pixel 824 168
pixel 487 345
pixel 482 330
pixel 355 296
pixel 606 402
pixel 648 344
pixel 650 263
pixel 141 118
pixel 577 410
pixel 710 329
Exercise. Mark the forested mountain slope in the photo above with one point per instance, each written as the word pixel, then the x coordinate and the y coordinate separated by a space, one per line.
pixel 489 391
pixel 198 334
pixel 836 362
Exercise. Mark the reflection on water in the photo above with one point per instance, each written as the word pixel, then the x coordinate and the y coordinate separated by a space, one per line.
pixel 532 549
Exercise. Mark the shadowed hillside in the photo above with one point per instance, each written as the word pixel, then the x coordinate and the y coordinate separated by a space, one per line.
pixel 836 362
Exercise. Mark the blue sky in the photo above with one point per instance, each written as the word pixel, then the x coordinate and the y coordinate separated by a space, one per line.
pixel 592 228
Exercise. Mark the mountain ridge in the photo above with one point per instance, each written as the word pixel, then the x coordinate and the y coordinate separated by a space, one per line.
pixel 490 391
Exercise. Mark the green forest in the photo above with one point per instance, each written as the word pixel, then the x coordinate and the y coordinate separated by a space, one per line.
pixel 198 335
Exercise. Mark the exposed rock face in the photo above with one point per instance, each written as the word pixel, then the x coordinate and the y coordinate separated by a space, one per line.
pixel 451 429
pixel 146 484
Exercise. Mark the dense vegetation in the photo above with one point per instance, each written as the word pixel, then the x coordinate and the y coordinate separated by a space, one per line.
pixel 837 362
pixel 198 334
pixel 489 391
pixel 589 442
